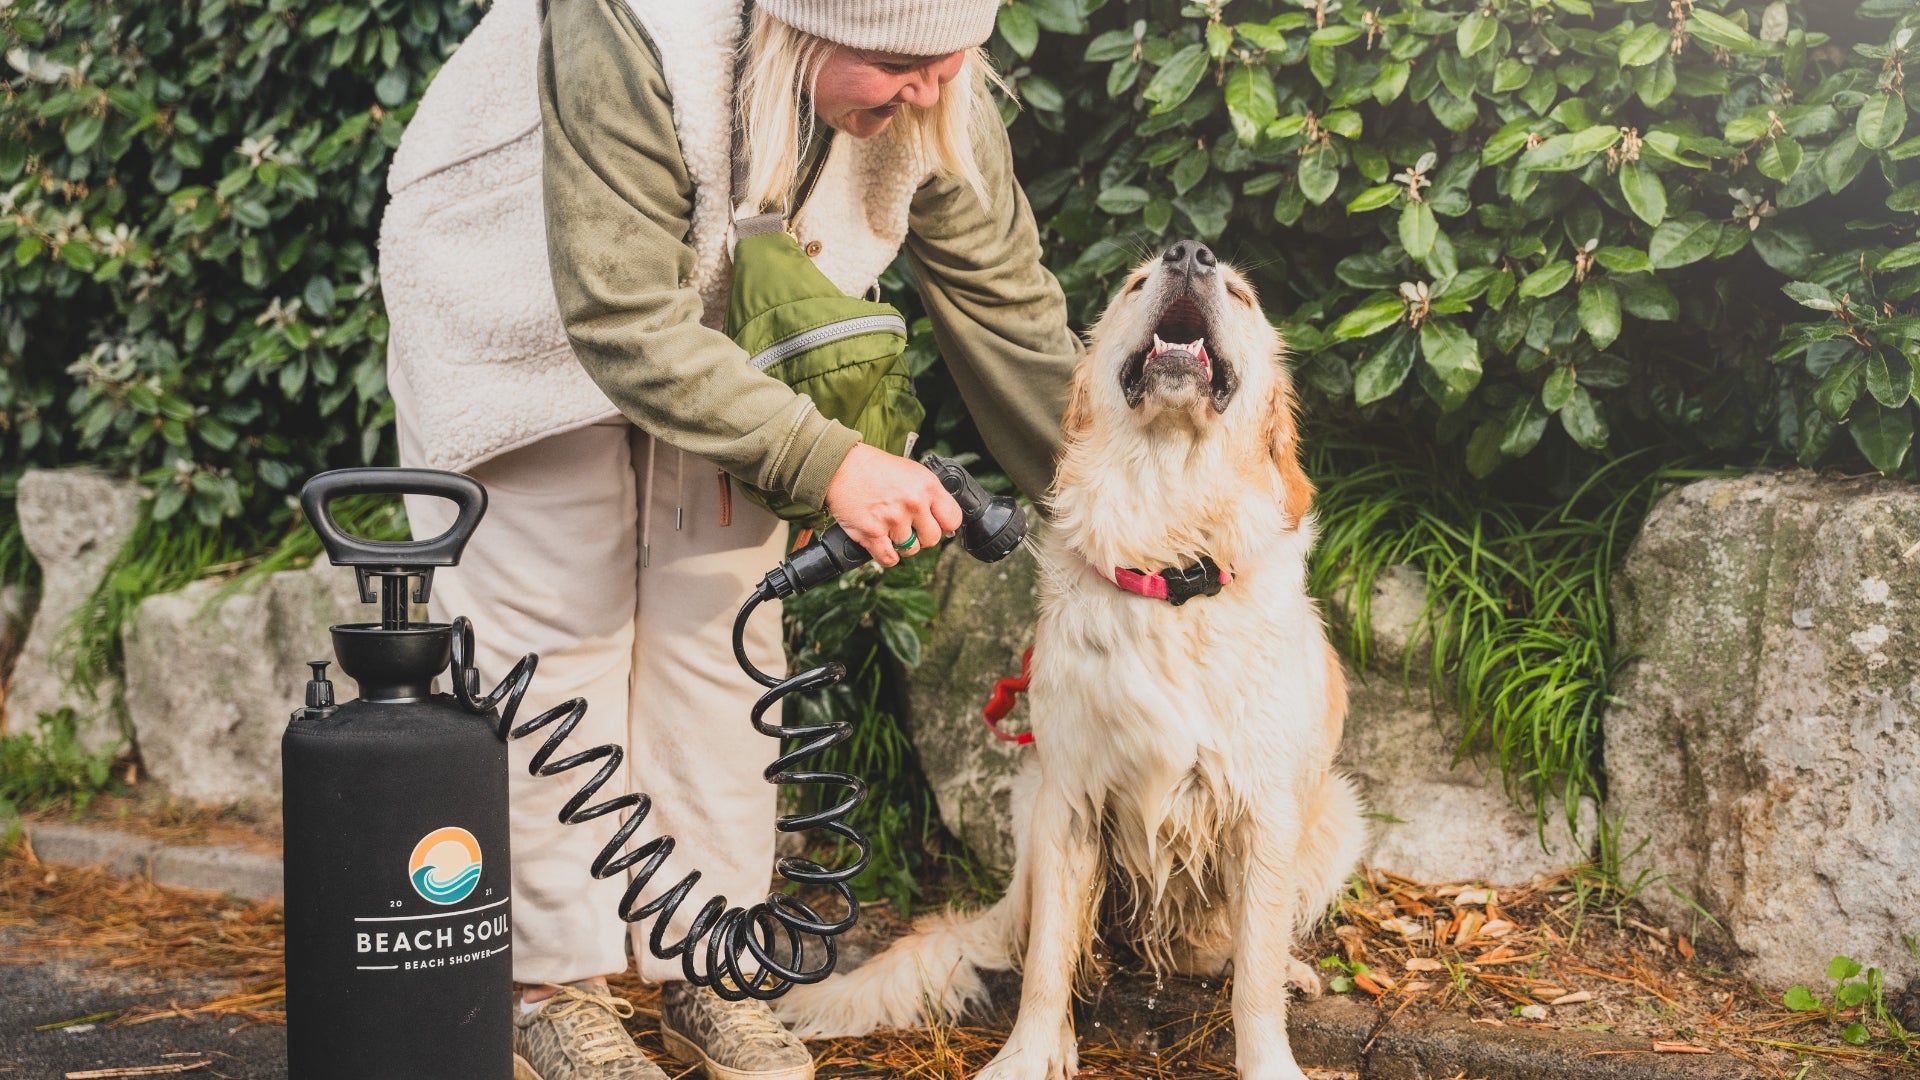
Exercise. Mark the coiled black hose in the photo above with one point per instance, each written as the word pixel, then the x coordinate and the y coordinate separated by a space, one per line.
pixel 779 924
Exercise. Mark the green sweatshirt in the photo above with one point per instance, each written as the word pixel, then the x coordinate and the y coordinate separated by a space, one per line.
pixel 619 209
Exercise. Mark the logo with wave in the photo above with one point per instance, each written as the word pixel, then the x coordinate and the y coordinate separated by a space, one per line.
pixel 445 866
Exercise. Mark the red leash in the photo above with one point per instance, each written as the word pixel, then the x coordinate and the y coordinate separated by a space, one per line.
pixel 1001 703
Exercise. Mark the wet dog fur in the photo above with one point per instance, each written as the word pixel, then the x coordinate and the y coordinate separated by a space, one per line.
pixel 1183 764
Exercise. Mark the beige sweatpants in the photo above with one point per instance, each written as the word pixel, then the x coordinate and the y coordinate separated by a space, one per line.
pixel 555 568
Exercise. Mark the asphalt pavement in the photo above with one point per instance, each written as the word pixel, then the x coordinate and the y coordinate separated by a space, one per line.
pixel 60 989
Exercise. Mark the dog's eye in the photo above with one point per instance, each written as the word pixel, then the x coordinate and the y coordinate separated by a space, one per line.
pixel 1137 284
pixel 1240 294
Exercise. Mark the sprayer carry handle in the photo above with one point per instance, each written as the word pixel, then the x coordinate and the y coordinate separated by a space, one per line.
pixel 416 558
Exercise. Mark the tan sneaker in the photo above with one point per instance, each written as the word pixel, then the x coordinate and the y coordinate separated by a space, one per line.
pixel 576 1035
pixel 730 1040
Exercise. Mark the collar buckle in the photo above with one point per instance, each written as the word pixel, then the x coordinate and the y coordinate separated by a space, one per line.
pixel 1184 583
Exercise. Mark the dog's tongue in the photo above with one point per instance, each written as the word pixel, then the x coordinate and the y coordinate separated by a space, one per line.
pixel 1196 349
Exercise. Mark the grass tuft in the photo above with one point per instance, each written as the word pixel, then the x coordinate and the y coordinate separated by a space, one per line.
pixel 1518 631
pixel 51 769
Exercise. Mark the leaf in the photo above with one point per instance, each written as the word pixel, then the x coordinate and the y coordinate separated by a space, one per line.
pixel 1585 420
pixel 901 640
pixel 1600 311
pixel 1722 31
pixel 1898 259
pixel 1646 196
pixel 1418 229
pixel 1319 175
pixel 1189 170
pixel 1369 319
pixel 1557 392
pixel 1039 92
pixel 1780 160
pixel 1683 240
pixel 1563 153
pixel 84 132
pixel 1477 31
pixel 1122 199
pixel 1808 294
pixel 1881 120
pixel 391 89
pixel 1842 161
pixel 1787 248
pixel 1836 392
pixel 78 255
pixel 1856 1032
pixel 1018 29
pixel 1622 260
pixel 1508 141
pixel 1251 104
pixel 1452 353
pixel 1547 280
pixel 1386 369
pixel 1112 45
pixel 1644 45
pixel 1374 198
pixel 1328 36
pixel 1526 423
pixel 1842 968
pixel 1510 75
pixel 1883 436
pixel 1176 78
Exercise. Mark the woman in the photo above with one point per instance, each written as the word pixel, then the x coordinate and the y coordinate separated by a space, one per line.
pixel 556 260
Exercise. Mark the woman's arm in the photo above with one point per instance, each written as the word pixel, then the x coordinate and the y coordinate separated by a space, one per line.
pixel 618 208
pixel 998 314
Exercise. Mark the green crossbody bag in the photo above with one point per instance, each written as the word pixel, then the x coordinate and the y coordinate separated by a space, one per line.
pixel 847 354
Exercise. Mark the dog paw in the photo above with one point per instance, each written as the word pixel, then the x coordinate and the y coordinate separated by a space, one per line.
pixel 1302 977
pixel 1040 1059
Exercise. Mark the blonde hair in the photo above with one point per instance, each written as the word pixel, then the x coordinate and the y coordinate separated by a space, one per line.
pixel 777 83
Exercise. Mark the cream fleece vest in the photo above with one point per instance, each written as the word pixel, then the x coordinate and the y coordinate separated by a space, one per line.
pixel 478 360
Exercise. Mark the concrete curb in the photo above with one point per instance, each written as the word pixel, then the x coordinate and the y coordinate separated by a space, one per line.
pixel 251 875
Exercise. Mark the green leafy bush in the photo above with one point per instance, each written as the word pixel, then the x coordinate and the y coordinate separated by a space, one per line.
pixel 189 193
pixel 1480 217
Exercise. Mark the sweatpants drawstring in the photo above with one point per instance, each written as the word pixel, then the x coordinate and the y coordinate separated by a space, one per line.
pixel 646 507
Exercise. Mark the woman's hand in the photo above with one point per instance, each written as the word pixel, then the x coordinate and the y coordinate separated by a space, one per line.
pixel 882 500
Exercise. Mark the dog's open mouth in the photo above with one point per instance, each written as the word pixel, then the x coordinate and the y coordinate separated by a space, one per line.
pixel 1178 355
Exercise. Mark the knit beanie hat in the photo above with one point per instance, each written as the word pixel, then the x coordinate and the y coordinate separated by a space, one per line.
pixel 906 27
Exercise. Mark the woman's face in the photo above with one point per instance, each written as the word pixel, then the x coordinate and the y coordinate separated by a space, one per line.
pixel 859 92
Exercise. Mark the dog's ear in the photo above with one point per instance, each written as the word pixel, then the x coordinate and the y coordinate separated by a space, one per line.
pixel 1283 442
pixel 1079 415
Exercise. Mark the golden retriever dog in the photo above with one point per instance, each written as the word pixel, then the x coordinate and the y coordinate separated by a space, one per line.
pixel 1186 705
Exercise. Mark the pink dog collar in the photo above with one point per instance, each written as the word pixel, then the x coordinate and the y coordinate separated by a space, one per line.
pixel 1175 586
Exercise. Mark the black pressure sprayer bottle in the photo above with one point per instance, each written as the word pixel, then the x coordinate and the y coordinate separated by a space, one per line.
pixel 398 919
pixel 398 922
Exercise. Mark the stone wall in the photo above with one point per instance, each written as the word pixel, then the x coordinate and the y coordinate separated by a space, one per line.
pixel 211 678
pixel 1764 735
pixel 74 521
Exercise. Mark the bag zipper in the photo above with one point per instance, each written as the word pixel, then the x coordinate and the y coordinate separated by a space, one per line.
pixel 821 335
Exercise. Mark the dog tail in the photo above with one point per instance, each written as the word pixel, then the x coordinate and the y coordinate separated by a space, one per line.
pixel 932 973
pixel 1334 838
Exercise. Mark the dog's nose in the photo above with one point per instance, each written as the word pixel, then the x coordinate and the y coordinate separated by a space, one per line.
pixel 1189 257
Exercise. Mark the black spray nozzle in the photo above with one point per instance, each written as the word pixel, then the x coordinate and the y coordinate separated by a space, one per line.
pixel 991 526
